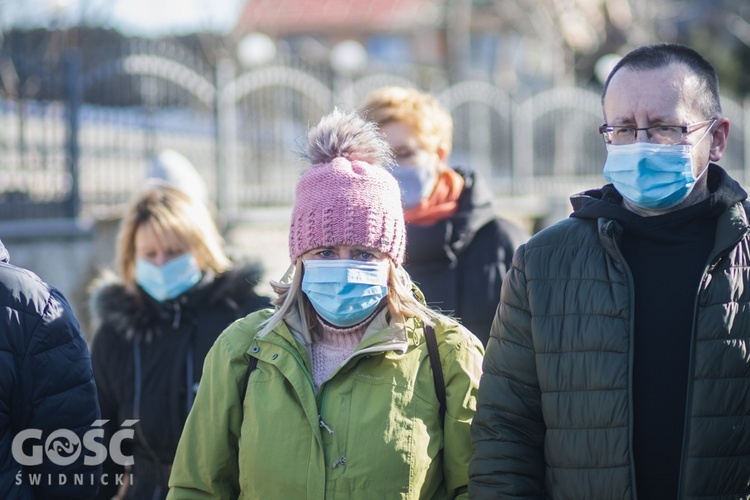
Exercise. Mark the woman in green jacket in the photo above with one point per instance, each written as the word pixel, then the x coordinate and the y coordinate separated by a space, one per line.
pixel 333 394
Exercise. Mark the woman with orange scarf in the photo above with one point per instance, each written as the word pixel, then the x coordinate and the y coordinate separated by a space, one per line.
pixel 457 248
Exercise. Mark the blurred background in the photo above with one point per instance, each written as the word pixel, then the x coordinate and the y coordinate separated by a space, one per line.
pixel 91 91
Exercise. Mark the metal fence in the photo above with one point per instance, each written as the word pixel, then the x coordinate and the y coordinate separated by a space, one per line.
pixel 69 157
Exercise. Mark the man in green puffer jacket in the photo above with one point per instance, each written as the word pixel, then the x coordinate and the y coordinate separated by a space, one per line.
pixel 618 363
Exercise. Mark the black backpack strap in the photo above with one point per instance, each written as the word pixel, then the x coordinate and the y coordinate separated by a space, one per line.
pixel 250 367
pixel 437 368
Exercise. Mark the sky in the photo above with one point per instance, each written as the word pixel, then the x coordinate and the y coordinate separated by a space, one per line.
pixel 148 18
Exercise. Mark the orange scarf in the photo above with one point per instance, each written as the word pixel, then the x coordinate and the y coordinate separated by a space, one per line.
pixel 442 203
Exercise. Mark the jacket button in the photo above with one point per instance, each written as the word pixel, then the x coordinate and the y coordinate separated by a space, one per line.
pixel 256 349
pixel 274 356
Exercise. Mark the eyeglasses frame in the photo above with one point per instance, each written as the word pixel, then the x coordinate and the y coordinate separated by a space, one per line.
pixel 685 129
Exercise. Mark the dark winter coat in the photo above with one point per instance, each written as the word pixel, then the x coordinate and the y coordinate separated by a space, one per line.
pixel 555 409
pixel 148 357
pixel 46 383
pixel 459 262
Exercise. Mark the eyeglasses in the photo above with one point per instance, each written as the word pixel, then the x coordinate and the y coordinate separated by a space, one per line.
pixel 658 134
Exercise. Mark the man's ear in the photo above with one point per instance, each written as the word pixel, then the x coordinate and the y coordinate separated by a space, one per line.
pixel 719 139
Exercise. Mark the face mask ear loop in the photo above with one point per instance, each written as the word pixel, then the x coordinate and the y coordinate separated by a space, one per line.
pixel 705 169
pixel 287 278
pixel 708 129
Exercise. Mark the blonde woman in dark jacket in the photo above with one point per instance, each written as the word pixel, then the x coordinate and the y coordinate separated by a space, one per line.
pixel 155 322
pixel 458 248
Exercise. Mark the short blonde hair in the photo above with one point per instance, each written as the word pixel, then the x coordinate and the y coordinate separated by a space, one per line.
pixel 174 216
pixel 431 122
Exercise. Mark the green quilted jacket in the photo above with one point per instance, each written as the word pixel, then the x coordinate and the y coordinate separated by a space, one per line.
pixel 554 415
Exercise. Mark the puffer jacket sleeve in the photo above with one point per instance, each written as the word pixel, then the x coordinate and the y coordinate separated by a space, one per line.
pixel 508 428
pixel 205 464
pixel 57 377
pixel 101 358
pixel 462 369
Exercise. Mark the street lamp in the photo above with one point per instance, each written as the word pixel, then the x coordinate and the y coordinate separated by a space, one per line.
pixel 256 49
pixel 604 66
pixel 347 58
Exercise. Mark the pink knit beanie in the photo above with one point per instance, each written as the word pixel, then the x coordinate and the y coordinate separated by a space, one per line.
pixel 343 201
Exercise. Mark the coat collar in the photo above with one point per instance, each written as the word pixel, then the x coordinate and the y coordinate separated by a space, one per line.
pixel 382 334
pixel 446 238
pixel 731 227
pixel 130 312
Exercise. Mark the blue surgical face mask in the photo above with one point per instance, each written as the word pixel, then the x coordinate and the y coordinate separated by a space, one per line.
pixel 170 280
pixel 345 292
pixel 651 176
pixel 416 183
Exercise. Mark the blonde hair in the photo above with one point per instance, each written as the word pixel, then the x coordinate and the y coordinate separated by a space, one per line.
pixel 173 215
pixel 430 121
pixel 402 303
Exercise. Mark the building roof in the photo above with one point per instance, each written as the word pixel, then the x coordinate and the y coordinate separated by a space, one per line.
pixel 298 17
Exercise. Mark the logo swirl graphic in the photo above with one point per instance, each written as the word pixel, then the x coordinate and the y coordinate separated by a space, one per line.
pixel 63 447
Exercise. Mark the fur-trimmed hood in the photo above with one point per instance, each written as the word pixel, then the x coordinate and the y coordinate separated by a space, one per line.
pixel 4 255
pixel 133 312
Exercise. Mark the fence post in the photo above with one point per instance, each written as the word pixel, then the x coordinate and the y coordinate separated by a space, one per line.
pixel 523 148
pixel 226 141
pixel 74 87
